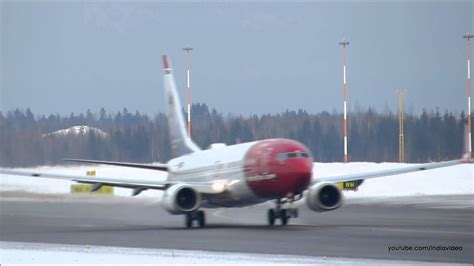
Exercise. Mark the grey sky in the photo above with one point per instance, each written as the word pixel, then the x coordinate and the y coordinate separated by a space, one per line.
pixel 247 58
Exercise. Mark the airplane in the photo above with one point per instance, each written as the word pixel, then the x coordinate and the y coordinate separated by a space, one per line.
pixel 278 170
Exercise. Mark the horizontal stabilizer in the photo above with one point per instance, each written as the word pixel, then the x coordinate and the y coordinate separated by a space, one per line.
pixel 160 167
pixel 95 181
pixel 124 182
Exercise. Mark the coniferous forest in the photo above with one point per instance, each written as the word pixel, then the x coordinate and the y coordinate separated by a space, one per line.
pixel 130 136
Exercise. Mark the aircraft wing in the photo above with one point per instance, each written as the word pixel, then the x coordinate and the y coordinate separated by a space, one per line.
pixel 110 181
pixel 139 185
pixel 389 172
pixel 160 167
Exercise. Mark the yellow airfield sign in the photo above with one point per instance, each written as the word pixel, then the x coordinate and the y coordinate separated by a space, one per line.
pixel 85 188
pixel 350 185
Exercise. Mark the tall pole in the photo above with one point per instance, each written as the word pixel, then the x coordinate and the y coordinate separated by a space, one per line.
pixel 468 36
pixel 344 43
pixel 401 139
pixel 188 50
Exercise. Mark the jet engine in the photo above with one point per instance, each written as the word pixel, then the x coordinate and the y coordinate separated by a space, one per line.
pixel 180 199
pixel 324 196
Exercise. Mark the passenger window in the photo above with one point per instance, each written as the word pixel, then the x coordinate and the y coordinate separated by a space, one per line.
pixel 292 155
pixel 304 155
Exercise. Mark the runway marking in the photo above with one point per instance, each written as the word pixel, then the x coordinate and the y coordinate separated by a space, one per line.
pixel 244 220
pixel 218 214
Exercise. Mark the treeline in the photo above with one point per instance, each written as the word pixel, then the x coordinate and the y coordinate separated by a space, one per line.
pixel 136 137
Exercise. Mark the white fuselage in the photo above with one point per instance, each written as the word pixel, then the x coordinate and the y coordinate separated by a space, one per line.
pixel 223 167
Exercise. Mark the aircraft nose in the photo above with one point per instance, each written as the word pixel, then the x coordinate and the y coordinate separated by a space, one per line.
pixel 297 173
pixel 299 166
pixel 278 168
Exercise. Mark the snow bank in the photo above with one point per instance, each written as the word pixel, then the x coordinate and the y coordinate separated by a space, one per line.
pixel 444 181
pixel 78 130
pixel 23 253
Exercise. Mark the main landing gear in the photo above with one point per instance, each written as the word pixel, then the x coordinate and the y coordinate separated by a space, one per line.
pixel 198 216
pixel 284 214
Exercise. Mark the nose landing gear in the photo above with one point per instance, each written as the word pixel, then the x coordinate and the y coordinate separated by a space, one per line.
pixel 198 216
pixel 284 214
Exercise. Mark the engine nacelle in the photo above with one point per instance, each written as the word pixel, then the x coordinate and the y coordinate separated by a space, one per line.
pixel 324 196
pixel 180 198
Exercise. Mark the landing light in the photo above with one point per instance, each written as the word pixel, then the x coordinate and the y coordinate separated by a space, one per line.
pixel 218 187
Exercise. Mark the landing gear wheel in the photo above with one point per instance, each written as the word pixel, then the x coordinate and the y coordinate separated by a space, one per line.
pixel 271 217
pixel 188 221
pixel 284 214
pixel 198 216
pixel 201 218
pixel 283 217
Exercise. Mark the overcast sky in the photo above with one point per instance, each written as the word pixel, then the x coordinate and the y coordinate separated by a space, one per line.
pixel 247 58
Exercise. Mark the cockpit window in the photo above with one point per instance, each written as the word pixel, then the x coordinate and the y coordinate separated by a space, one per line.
pixel 288 155
pixel 281 156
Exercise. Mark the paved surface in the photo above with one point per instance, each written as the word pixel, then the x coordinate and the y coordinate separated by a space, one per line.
pixel 362 228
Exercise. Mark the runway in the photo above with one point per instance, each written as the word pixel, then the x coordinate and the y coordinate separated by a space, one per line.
pixel 360 229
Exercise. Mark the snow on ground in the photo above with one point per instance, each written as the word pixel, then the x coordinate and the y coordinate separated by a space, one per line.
pixel 444 181
pixel 78 130
pixel 24 253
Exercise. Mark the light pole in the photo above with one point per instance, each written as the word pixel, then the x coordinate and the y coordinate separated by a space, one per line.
pixel 344 43
pixel 401 136
pixel 468 37
pixel 188 50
